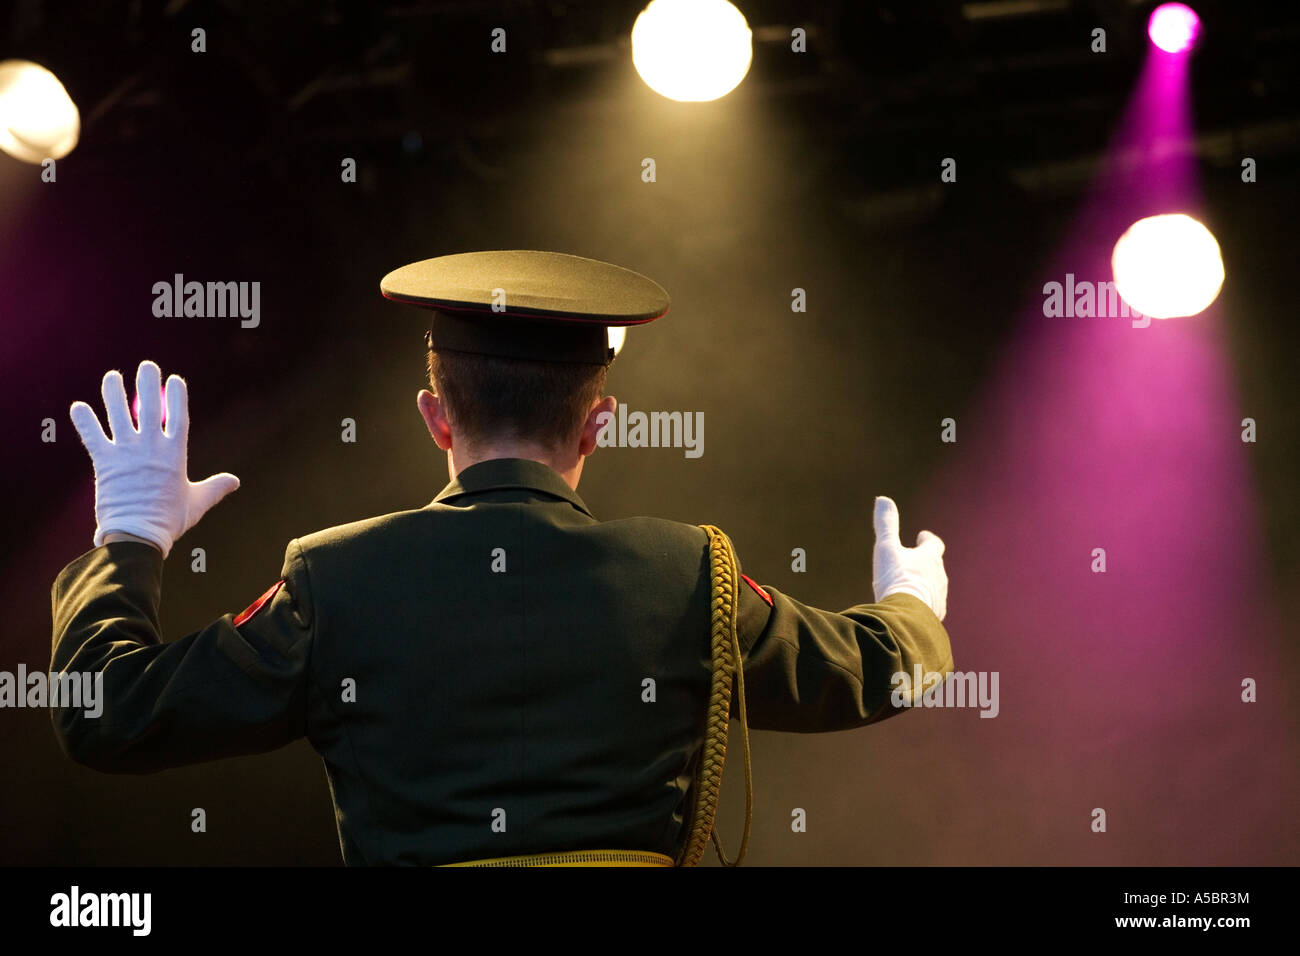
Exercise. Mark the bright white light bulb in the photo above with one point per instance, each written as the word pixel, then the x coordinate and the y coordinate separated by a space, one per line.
pixel 1167 266
pixel 691 50
pixel 1173 27
pixel 617 336
pixel 38 120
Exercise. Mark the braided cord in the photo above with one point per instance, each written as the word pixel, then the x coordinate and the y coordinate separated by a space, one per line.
pixel 726 659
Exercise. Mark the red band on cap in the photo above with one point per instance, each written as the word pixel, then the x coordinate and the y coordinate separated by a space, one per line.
pixel 257 605
pixel 757 590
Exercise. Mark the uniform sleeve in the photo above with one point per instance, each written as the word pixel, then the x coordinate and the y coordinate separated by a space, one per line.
pixel 225 690
pixel 809 670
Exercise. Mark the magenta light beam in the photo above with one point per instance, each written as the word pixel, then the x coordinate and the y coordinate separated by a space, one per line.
pixel 1107 559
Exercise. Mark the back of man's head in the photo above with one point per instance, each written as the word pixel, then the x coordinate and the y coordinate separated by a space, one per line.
pixel 490 399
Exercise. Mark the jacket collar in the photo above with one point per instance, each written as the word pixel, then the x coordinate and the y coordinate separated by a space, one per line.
pixel 498 473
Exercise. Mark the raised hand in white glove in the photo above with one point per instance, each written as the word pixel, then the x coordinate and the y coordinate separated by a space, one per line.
pixel 141 482
pixel 917 571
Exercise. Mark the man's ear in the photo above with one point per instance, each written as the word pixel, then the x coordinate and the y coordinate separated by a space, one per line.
pixel 600 415
pixel 434 414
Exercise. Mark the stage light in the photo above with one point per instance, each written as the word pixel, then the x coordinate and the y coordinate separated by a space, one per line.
pixel 1167 266
pixel 691 50
pixel 617 336
pixel 38 120
pixel 1173 27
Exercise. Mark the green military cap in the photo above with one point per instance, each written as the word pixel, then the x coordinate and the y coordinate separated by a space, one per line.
pixel 526 304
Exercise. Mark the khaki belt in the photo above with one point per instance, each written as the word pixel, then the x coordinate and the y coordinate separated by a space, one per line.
pixel 578 858
pixel 724 646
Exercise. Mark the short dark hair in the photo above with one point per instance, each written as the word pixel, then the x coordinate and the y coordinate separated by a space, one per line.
pixel 488 397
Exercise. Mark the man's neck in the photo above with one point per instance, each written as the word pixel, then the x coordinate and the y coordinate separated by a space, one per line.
pixel 567 464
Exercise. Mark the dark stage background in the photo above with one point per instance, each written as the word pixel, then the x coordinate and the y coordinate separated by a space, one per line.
pixel 821 171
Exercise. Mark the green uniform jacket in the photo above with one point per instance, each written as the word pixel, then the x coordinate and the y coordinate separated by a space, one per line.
pixel 475 674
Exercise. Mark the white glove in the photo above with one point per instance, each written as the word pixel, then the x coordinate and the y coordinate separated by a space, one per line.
pixel 141 486
pixel 917 571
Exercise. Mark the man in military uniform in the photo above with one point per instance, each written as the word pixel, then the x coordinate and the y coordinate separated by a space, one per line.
pixel 473 673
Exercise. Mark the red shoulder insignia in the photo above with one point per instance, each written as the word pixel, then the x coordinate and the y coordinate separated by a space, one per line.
pixel 257 605
pixel 757 590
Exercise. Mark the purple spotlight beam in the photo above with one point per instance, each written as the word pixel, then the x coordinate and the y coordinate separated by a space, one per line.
pixel 1114 572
